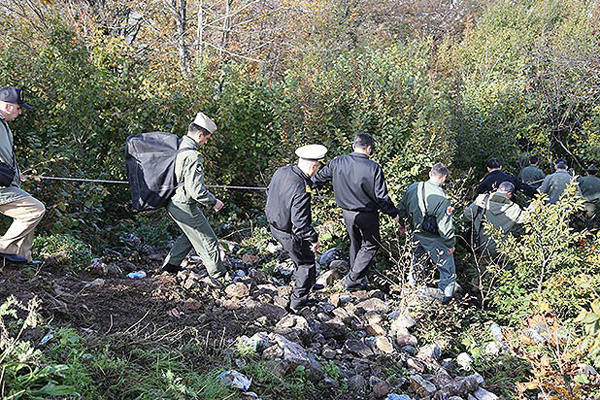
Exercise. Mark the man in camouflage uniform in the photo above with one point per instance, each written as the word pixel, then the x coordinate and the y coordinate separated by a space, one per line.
pixel 185 205
pixel 497 209
pixel 589 186
pixel 531 174
pixel 428 198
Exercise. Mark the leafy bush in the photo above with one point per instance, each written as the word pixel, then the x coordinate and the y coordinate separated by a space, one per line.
pixel 63 249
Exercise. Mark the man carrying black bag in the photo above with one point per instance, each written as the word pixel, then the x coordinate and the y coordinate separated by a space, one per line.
pixel 25 210
pixel 427 209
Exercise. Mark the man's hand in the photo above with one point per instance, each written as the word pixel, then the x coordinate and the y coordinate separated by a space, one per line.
pixel 218 205
pixel 397 218
pixel 451 250
pixel 315 246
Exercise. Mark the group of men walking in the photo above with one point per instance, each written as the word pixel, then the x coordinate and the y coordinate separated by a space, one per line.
pixel 359 189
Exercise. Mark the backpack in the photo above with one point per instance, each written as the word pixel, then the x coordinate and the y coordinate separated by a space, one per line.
pixel 150 161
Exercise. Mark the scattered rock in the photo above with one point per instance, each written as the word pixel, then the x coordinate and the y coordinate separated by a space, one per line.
pixel 192 305
pixel 358 347
pixel 357 383
pixel 333 328
pixel 404 338
pixel 492 349
pixel 430 352
pixel 381 389
pixel 384 345
pixel 421 386
pixel 412 350
pixel 464 360
pixel 341 266
pixel 238 290
pixel 373 305
pixel 404 320
pixel 376 330
pixel 273 352
pixel 328 353
pixel 292 351
pixel 482 394
pixel 250 259
pixel 95 284
pixel 416 365
pixel 328 278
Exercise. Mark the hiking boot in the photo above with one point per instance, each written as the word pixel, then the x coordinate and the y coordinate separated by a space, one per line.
pixel 299 307
pixel 172 268
pixel 12 259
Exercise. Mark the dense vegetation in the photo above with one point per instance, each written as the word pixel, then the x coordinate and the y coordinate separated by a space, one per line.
pixel 504 78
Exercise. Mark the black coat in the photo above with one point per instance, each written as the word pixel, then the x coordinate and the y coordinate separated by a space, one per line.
pixel 492 180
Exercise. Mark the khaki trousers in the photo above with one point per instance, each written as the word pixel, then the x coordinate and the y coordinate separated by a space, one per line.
pixel 26 214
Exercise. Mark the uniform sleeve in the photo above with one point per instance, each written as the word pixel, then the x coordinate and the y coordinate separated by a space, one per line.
pixel 403 208
pixel 301 217
pixel 523 187
pixel 445 225
pixel 323 176
pixel 194 182
pixel 382 196
pixel 470 212
pixel 545 185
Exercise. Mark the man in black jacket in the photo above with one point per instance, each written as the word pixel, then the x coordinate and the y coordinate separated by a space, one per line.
pixel 360 191
pixel 289 215
pixel 496 176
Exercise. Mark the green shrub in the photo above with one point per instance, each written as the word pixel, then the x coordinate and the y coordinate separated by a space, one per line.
pixel 63 249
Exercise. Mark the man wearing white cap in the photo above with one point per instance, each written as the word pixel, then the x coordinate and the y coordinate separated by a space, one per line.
pixel 185 205
pixel 25 210
pixel 289 215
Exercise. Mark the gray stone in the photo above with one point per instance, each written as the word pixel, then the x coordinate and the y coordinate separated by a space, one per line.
pixel 328 353
pixel 421 386
pixel 238 290
pixel 384 345
pixel 329 383
pixel 292 351
pixel 416 365
pixel 404 338
pixel 412 350
pixel 357 383
pixel 482 394
pixel 442 378
pixel 358 347
pixel 328 278
pixel 272 312
pixel 404 320
pixel 333 328
pixel 430 352
pixel 272 352
pixel 464 360
pixel 381 389
pixel 341 266
pixel 373 305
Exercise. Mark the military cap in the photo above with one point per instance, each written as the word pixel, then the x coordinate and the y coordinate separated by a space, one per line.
pixel 13 95
pixel 204 122
pixel 561 163
pixel 312 152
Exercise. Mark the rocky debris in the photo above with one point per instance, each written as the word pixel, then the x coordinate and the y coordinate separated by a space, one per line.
pixel 381 389
pixel 464 360
pixel 294 327
pixel 430 352
pixel 421 386
pixel 384 345
pixel 404 338
pixel 358 347
pixel 95 284
pixel 482 394
pixel 328 278
pixel 334 328
pixel 357 383
pixel 341 266
pixel 237 290
pixel 373 305
pixel 402 320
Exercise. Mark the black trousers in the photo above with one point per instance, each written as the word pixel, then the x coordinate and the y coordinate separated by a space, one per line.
pixel 363 230
pixel 303 257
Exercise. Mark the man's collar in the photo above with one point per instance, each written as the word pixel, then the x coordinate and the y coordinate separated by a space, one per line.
pixel 189 141
pixel 359 154
pixel 434 183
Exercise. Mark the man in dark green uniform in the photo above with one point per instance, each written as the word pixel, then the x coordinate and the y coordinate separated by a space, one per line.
pixel 185 205
pixel 429 199
pixel 289 215
pixel 589 186
pixel 531 174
